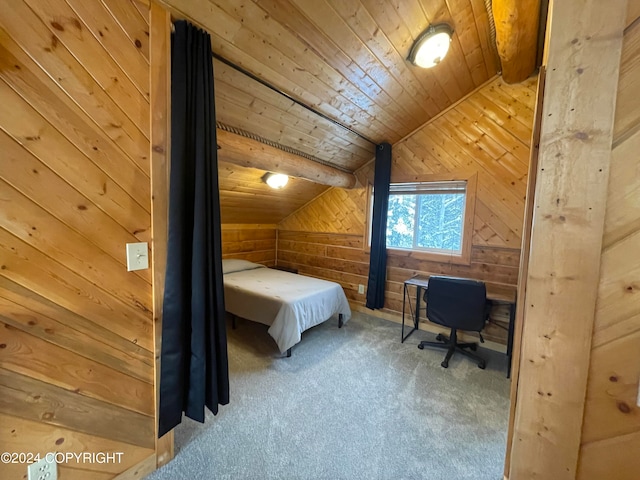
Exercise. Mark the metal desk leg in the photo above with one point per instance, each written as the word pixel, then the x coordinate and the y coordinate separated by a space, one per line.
pixel 406 296
pixel 512 318
pixel 417 317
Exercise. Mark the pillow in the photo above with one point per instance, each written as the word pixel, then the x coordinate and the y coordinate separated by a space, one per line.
pixel 231 265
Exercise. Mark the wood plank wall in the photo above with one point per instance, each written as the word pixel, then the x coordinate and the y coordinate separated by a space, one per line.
pixel 76 343
pixel 611 425
pixel 488 134
pixel 253 242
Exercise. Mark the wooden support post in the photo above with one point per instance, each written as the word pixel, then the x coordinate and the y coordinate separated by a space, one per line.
pixel 524 263
pixel 160 94
pixel 584 47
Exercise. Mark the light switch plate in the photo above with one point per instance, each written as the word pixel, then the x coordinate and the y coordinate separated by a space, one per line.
pixel 137 256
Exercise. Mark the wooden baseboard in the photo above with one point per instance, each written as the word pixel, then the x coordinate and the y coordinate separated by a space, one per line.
pixel 140 470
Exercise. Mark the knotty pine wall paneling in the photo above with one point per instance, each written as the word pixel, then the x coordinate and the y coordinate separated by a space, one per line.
pixel 488 134
pixel 253 242
pixel 76 340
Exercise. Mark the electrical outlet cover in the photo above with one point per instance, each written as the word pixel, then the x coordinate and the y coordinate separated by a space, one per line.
pixel 43 469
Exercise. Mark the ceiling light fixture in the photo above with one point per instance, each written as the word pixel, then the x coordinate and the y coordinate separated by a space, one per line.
pixel 275 180
pixel 431 46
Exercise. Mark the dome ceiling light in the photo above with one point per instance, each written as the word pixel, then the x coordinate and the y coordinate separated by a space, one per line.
pixel 431 46
pixel 275 180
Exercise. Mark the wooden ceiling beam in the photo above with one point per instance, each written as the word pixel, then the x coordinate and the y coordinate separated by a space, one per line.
pixel 246 152
pixel 517 23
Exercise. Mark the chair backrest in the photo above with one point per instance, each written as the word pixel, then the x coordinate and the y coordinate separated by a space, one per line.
pixel 456 302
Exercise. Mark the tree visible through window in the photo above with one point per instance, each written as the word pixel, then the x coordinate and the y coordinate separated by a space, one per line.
pixel 426 216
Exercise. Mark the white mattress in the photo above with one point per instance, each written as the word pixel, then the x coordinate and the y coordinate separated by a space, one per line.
pixel 289 303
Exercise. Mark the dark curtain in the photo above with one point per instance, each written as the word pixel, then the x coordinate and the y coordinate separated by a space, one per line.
pixel 194 368
pixel 378 258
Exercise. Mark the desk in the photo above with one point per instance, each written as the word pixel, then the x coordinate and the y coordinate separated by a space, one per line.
pixel 508 297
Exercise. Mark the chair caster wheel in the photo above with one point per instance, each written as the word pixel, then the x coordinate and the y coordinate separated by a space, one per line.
pixel 421 347
pixel 444 364
pixel 482 365
pixel 474 347
pixel 439 338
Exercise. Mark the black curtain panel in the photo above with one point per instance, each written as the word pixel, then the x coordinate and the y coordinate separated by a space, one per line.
pixel 378 258
pixel 193 366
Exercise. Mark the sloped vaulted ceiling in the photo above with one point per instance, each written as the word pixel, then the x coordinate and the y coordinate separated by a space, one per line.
pixel 344 59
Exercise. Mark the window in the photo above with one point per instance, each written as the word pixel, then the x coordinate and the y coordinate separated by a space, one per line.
pixel 426 216
pixel 431 218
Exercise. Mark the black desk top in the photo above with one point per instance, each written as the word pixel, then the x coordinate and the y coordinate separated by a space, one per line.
pixel 504 293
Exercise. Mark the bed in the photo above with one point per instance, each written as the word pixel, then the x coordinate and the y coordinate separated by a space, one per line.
pixel 287 302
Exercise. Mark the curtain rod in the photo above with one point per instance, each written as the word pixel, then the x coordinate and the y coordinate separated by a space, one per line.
pixel 286 95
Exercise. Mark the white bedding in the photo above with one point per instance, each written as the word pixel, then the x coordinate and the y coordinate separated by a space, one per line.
pixel 289 303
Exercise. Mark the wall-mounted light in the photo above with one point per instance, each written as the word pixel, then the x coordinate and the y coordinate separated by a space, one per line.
pixel 431 46
pixel 275 180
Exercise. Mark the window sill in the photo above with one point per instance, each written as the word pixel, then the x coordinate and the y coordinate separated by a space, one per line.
pixel 458 259
pixel 426 256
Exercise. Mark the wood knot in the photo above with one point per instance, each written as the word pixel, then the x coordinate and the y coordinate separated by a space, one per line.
pixel 60 441
pixel 32 322
pixel 581 136
pixel 138 43
pixel 47 415
pixel 82 207
pixel 57 26
pixel 623 407
pixel 3 345
pixel 613 378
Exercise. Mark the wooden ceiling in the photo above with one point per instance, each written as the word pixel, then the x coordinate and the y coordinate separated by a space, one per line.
pixel 245 198
pixel 346 59
pixel 343 59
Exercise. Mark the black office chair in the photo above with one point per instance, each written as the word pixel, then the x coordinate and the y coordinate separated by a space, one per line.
pixel 457 303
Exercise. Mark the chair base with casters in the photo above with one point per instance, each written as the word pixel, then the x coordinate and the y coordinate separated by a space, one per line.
pixel 451 345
